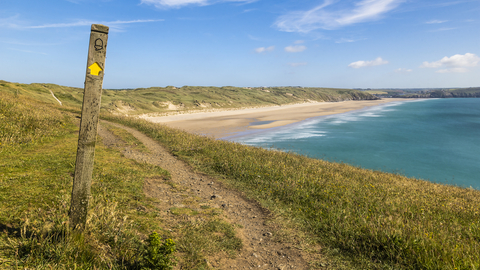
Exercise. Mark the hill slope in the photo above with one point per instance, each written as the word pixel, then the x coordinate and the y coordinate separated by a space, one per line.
pixel 168 99
pixel 361 219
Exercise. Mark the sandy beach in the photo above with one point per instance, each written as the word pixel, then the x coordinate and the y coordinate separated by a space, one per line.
pixel 228 123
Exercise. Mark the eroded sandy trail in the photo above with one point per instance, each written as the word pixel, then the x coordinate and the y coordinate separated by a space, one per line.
pixel 260 250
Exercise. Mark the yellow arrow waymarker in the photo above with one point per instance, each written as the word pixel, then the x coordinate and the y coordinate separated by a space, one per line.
pixel 95 69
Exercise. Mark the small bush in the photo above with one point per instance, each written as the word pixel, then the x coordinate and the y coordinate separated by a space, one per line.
pixel 159 255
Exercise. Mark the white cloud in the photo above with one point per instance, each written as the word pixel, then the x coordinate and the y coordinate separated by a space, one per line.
pixel 403 70
pixel 327 16
pixel 454 64
pixel 443 29
pixel 86 22
pixel 180 3
pixel 263 49
pixel 452 70
pixel 431 65
pixel 295 48
pixel 10 22
pixel 299 42
pixel 435 21
pixel 254 38
pixel 27 51
pixel 345 40
pixel 377 62
pixel 297 64
pixel 451 3
pixel 174 3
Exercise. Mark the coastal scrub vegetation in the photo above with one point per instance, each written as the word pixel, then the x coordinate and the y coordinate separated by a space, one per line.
pixel 124 230
pixel 377 220
pixel 471 92
pixel 167 100
pixel 37 164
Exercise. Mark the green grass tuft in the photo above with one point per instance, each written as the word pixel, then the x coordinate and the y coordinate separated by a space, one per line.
pixel 159 255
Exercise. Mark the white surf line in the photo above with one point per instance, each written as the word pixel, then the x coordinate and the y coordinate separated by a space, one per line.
pixel 55 97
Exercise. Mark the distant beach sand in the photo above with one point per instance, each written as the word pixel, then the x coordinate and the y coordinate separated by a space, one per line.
pixel 221 124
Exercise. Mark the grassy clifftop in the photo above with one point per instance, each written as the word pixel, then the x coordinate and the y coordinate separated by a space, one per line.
pixel 370 219
pixel 470 92
pixel 168 99
pixel 377 220
pixel 38 144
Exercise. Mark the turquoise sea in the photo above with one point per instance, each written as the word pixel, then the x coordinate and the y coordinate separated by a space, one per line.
pixel 431 139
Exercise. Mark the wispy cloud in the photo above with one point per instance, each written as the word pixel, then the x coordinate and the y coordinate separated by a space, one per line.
pixel 452 70
pixel 328 16
pixel 436 21
pixel 347 40
pixel 444 29
pixel 254 38
pixel 27 51
pixel 451 3
pixel 295 48
pixel 264 49
pixel 174 3
pixel 88 22
pixel 454 64
pixel 403 70
pixel 10 22
pixel 297 64
pixel 180 3
pixel 377 62
pixel 22 43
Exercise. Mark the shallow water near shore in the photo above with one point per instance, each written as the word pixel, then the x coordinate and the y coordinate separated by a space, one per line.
pixel 432 139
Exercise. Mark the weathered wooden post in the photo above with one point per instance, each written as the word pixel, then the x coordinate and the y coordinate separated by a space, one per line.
pixel 88 126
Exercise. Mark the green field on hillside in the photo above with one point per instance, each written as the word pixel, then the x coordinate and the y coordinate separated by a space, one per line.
pixel 38 144
pixel 470 92
pixel 171 99
pixel 362 219
pixel 377 220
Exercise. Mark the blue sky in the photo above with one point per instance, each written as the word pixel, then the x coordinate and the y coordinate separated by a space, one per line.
pixel 312 43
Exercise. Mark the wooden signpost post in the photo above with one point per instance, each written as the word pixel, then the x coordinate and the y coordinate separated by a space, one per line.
pixel 88 126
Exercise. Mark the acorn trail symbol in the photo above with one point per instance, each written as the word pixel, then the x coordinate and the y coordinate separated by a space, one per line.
pixel 98 44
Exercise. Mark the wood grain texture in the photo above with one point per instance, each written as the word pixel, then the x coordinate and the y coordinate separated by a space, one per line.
pixel 88 127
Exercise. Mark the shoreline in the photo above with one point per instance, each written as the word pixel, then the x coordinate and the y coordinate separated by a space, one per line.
pixel 231 123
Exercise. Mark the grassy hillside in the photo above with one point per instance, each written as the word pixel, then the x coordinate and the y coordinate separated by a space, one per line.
pixel 427 93
pixel 455 93
pixel 171 99
pixel 367 219
pixel 377 220
pixel 37 161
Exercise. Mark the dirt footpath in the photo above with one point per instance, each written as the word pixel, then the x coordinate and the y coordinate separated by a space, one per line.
pixel 261 249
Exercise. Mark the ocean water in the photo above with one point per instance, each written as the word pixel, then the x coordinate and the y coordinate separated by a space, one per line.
pixel 431 139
